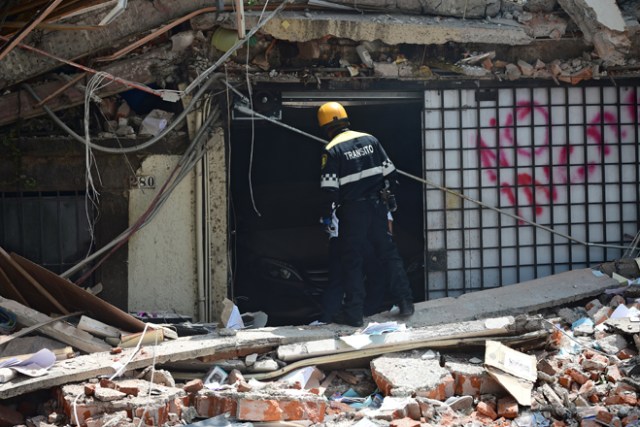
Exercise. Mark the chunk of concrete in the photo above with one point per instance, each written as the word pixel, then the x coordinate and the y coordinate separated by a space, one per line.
pixel 401 374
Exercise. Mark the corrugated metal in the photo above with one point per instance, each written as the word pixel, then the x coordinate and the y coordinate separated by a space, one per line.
pixel 564 157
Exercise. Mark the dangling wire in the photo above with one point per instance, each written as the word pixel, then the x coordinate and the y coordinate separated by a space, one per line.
pixel 253 134
pixel 92 195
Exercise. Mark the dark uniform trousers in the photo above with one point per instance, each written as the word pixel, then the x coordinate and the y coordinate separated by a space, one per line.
pixel 363 223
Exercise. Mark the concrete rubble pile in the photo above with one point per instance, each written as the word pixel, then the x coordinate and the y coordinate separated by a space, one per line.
pixel 567 365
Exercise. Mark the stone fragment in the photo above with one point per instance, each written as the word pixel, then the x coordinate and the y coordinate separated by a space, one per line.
pixel 512 72
pixel 193 386
pixel 108 394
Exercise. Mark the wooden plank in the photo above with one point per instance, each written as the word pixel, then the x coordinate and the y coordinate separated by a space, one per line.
pixel 97 328
pixel 493 327
pixel 25 331
pixel 36 295
pixel 60 331
pixel 9 290
pixel 77 299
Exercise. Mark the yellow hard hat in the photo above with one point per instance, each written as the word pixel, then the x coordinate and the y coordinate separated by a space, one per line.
pixel 331 112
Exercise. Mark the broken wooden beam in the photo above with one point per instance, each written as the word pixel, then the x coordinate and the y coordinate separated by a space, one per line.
pixel 76 298
pixel 60 331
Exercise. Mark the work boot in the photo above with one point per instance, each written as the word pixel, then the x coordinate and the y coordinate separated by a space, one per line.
pixel 406 308
pixel 343 318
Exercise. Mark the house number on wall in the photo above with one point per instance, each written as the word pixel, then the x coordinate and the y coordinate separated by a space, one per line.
pixel 143 181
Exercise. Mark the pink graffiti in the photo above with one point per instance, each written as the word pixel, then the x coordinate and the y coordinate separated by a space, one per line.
pixel 499 147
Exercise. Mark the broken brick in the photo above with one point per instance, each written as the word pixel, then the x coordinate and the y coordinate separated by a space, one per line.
pixel 485 409
pixel 508 407
pixel 565 381
pixel 613 374
pixel 577 376
pixel 193 386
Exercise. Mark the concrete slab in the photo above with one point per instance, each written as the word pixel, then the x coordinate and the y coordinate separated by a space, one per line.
pixel 98 364
pixel 520 298
pixel 397 29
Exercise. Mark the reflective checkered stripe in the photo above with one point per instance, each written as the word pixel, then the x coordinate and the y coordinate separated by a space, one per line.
pixel 387 167
pixel 354 165
pixel 329 180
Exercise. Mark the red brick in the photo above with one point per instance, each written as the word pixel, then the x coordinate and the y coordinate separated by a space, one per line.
pixel 10 417
pixel 587 389
pixel 629 399
pixel 604 416
pixel 442 391
pixel 589 423
pixel 466 384
pixel 193 386
pixel 557 423
pixel 485 409
pixel 339 407
pixel 613 374
pixel 577 376
pixel 259 410
pixel 613 400
pixel 594 398
pixel 545 366
pixel 209 405
pixel 508 407
pixel 89 389
pixel 622 388
pixel 565 381
pixel 626 353
pixel 107 383
pixel 630 420
pixel 129 390
pixel 405 422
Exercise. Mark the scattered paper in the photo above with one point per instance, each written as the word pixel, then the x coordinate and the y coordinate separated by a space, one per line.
pixel 308 377
pixel 623 312
pixel 230 315
pixel 374 328
pixel 356 341
pixel 35 365
pixel 216 378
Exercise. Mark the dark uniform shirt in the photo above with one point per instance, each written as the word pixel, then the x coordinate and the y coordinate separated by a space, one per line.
pixel 354 167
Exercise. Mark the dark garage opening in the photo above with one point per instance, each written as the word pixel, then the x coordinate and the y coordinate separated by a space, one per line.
pixel 280 249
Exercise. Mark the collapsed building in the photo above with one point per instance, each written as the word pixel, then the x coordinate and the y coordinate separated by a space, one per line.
pixel 165 154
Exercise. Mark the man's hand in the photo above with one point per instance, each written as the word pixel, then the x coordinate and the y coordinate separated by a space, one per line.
pixel 327 222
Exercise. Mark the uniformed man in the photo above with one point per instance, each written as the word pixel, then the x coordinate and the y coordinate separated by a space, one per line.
pixel 354 170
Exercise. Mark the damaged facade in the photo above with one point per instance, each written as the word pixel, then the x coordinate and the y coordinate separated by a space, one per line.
pixel 165 153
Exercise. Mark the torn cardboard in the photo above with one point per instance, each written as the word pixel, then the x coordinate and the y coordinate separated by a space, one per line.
pixel 515 371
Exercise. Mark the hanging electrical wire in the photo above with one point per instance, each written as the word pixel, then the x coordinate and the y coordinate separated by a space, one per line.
pixel 91 194
pixel 187 162
pixel 246 110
